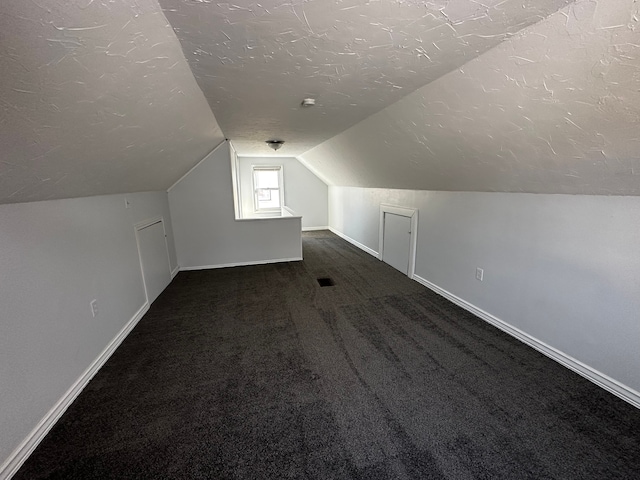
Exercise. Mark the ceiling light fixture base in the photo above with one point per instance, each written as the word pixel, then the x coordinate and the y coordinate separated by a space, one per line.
pixel 275 144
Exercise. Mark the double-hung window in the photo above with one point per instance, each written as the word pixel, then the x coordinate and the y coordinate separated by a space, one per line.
pixel 267 188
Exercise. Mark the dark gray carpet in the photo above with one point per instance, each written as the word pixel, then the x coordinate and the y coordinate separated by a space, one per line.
pixel 260 373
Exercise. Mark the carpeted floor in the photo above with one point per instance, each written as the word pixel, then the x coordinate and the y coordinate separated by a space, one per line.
pixel 260 373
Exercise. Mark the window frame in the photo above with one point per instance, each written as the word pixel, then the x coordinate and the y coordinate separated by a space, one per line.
pixel 256 204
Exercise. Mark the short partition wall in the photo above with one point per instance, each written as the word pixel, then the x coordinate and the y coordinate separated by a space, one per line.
pixel 206 230
pixel 259 241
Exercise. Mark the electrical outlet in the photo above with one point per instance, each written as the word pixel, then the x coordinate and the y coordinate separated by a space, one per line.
pixel 479 274
pixel 94 308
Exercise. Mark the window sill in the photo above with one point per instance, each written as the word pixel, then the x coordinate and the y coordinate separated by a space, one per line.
pixel 285 212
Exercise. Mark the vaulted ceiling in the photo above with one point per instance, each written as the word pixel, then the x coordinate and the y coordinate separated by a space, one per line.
pixel 113 96
pixel 95 98
pixel 554 109
pixel 256 60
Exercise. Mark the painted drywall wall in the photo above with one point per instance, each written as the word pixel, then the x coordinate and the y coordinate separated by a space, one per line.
pixel 565 269
pixel 304 192
pixel 554 109
pixel 55 257
pixel 206 231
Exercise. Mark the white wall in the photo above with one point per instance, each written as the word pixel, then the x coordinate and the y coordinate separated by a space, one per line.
pixel 206 231
pixel 55 257
pixel 564 269
pixel 304 192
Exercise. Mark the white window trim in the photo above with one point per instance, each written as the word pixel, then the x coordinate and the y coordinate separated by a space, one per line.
pixel 235 182
pixel 280 169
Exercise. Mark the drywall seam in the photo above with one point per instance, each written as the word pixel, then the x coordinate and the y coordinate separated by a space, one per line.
pixel 29 444
pixel 620 390
pixel 356 243
pixel 313 229
pixel 240 264
pixel 196 165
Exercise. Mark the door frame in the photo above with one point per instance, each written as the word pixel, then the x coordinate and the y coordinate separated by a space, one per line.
pixel 412 213
pixel 141 226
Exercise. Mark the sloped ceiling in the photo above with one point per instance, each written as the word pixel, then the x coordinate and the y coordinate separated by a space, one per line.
pixel 95 98
pixel 256 60
pixel 554 109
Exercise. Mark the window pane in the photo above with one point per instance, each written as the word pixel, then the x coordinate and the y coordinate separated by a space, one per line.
pixel 271 199
pixel 267 179
pixel 264 195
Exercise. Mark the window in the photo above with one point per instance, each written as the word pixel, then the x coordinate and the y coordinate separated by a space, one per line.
pixel 267 188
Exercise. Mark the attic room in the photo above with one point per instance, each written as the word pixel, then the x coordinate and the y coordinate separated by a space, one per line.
pixel 502 133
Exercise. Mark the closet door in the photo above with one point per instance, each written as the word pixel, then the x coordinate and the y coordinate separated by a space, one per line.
pixel 397 241
pixel 154 257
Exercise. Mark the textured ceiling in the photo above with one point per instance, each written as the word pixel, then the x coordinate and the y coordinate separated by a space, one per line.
pixel 555 109
pixel 256 61
pixel 95 98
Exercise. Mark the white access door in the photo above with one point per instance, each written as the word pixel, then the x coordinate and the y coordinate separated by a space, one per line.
pixel 154 257
pixel 397 241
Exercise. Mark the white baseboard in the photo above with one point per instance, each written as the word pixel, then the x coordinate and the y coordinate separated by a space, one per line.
pixel 313 229
pixel 624 392
pixel 174 272
pixel 28 445
pixel 240 264
pixel 361 246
